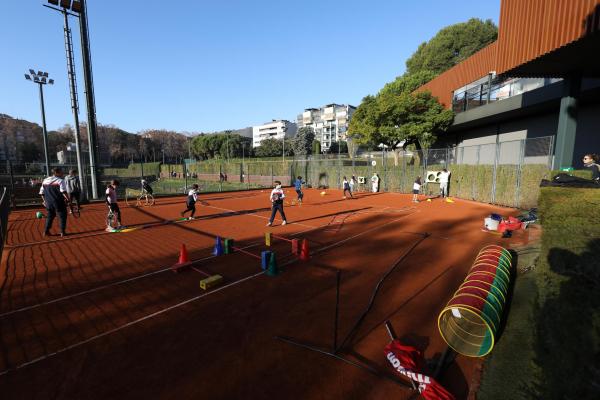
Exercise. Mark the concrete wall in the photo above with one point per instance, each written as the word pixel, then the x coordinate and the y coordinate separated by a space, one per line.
pixel 529 127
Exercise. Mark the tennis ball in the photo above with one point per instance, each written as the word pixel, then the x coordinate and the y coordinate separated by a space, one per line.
pixel 39 215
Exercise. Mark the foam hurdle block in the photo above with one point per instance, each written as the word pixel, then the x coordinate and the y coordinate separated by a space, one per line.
pixel 211 281
pixel 265 257
pixel 295 246
pixel 267 238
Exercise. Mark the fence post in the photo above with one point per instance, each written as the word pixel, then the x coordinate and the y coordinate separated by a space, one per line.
pixel 13 196
pixel 271 173
pixel 185 175
pixel 383 161
pixel 473 180
pixel 551 153
pixel 220 176
pixel 495 172
pixel 519 172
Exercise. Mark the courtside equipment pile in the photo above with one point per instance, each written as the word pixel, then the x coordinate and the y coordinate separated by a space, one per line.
pixel 471 319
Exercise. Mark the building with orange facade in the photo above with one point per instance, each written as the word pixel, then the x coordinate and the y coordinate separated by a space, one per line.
pixel 540 78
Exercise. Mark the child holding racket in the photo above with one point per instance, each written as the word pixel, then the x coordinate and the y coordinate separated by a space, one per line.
pixel 277 197
pixel 191 200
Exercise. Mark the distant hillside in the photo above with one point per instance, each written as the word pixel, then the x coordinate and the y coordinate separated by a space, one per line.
pixel 21 141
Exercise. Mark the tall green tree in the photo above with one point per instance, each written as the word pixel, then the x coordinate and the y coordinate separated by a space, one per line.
pixel 302 143
pixel 452 45
pixel 399 119
pixel 272 148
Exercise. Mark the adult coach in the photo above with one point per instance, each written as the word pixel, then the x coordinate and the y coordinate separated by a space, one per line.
pixel 444 179
pixel 55 199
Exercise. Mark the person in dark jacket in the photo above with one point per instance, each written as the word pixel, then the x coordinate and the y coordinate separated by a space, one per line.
pixel 73 188
pixel 592 161
pixel 55 199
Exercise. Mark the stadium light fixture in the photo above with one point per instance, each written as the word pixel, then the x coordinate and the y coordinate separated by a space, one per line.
pixel 40 79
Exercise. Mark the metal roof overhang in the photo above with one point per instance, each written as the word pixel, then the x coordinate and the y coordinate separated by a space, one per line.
pixel 578 57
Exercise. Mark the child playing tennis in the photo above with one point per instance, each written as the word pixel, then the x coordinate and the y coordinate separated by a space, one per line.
pixel 298 185
pixel 191 200
pixel 346 186
pixel 277 197
pixel 113 206
pixel 416 189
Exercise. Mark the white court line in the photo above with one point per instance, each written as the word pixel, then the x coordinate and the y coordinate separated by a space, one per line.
pixel 128 280
pixel 134 322
pixel 258 216
pixel 70 296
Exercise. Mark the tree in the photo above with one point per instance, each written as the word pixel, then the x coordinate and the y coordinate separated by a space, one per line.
pixel 269 148
pixel 338 147
pixel 316 147
pixel 302 143
pixel 399 119
pixel 29 152
pixel 452 45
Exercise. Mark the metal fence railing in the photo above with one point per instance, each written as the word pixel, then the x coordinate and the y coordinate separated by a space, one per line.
pixel 506 173
pixel 4 211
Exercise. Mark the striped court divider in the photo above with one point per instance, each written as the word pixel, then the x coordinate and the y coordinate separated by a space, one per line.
pixel 471 319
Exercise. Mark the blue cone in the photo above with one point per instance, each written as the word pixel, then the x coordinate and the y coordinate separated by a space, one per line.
pixel 218 251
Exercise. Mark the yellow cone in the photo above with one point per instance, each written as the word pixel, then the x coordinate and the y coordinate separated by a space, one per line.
pixel 449 200
pixel 323 193
pixel 429 200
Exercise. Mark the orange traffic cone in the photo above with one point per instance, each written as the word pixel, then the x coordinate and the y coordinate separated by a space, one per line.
pixel 304 252
pixel 183 255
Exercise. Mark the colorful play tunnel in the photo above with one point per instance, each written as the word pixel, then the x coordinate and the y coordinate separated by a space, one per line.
pixel 471 319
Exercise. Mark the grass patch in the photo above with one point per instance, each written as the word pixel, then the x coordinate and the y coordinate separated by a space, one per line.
pixel 550 348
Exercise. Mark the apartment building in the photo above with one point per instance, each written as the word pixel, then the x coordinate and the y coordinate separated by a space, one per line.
pixel 276 129
pixel 329 122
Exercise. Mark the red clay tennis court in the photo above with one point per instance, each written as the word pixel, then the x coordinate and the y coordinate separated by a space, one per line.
pixel 102 315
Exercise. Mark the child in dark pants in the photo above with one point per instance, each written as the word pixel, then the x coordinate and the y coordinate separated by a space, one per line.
pixel 191 200
pixel 298 186
pixel 113 207
pixel 277 197
pixel 55 199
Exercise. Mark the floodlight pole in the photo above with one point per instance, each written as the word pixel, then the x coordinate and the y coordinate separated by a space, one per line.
pixel 89 97
pixel 74 104
pixel 44 131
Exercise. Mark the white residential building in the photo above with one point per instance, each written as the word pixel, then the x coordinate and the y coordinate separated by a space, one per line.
pixel 329 122
pixel 276 129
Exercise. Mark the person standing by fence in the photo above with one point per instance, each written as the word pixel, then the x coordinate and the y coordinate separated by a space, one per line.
pixel 73 188
pixel 444 179
pixel 55 199
pixel 375 182
pixel 352 183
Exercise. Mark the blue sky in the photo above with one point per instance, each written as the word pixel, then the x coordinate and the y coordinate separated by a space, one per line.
pixel 192 65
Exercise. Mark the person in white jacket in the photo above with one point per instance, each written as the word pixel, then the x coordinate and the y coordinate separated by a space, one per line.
pixel 444 178
pixel 277 196
pixel 375 182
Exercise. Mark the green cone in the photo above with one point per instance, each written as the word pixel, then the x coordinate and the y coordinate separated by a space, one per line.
pixel 272 270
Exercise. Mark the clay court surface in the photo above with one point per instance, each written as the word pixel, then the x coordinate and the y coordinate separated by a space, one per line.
pixel 99 315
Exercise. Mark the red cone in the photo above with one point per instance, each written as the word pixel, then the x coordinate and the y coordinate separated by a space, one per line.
pixel 183 255
pixel 304 252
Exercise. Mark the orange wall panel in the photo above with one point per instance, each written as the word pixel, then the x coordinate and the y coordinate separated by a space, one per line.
pixel 528 29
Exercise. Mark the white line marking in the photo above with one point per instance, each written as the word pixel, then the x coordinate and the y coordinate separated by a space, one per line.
pixel 154 314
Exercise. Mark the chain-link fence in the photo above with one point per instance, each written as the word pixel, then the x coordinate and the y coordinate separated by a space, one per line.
pixel 4 211
pixel 506 173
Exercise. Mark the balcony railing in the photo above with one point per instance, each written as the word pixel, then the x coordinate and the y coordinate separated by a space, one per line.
pixel 498 89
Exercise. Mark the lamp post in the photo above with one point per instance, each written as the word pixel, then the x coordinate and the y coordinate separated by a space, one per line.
pixel 41 78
